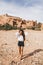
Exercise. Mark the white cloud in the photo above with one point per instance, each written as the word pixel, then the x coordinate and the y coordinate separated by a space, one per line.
pixel 32 13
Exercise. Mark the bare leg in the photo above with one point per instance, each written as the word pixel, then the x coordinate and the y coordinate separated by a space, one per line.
pixel 21 51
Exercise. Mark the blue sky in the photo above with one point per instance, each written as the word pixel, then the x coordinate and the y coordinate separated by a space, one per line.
pixel 26 9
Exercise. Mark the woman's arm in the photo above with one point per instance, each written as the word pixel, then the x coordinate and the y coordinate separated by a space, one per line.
pixel 17 34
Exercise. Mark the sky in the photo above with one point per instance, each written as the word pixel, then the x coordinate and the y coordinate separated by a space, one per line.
pixel 26 9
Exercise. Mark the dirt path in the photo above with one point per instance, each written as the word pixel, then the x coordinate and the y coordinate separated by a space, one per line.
pixel 33 50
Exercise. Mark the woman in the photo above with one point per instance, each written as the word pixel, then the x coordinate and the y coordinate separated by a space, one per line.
pixel 21 39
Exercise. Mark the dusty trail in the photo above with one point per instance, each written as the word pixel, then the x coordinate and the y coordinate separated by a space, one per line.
pixel 33 50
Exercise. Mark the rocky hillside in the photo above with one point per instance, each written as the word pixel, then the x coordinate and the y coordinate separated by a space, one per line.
pixel 16 21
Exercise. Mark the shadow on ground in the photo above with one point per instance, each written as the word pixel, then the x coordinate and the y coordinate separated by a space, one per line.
pixel 32 53
pixel 27 55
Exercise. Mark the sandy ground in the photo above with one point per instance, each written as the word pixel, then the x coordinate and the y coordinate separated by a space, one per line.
pixel 33 50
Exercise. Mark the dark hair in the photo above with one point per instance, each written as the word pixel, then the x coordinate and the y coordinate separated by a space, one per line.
pixel 22 34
